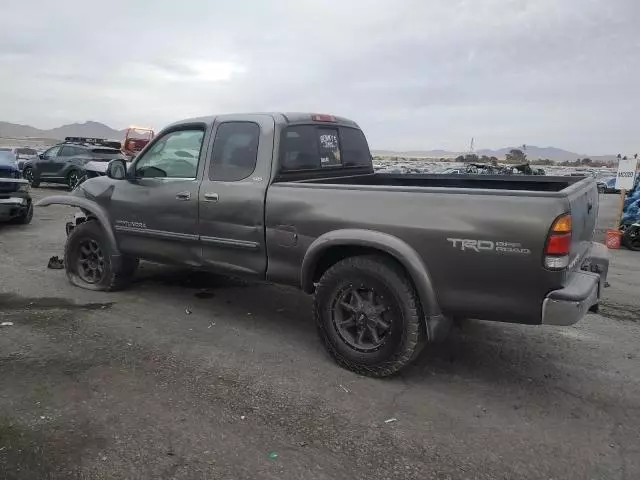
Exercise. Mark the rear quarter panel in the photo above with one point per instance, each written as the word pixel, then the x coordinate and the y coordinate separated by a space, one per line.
pixel 484 283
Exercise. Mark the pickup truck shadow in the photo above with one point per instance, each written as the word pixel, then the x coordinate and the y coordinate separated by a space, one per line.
pixel 481 351
pixel 252 304
pixel 488 352
pixel 191 279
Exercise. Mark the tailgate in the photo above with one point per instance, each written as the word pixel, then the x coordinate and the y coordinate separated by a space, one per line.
pixel 583 205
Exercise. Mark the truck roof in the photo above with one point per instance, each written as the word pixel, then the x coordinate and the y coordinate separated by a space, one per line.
pixel 278 117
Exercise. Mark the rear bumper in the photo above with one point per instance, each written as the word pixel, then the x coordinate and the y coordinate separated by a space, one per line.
pixel 569 304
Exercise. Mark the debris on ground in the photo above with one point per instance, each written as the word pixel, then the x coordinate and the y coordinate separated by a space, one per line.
pixel 187 311
pixel 55 263
pixel 211 324
pixel 303 444
pixel 242 417
pixel 343 388
pixel 273 456
pixel 390 420
pixel 6 324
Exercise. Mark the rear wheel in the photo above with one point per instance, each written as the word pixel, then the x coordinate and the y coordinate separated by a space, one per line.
pixel 28 175
pixel 87 260
pixel 72 179
pixel 368 316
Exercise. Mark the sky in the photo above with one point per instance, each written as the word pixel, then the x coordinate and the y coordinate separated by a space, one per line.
pixel 415 74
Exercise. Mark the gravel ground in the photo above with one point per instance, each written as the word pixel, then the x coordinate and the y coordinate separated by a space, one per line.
pixel 188 375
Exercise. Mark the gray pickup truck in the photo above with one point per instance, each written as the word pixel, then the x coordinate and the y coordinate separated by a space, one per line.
pixel 392 259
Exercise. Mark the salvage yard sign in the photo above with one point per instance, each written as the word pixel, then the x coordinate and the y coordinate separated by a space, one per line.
pixel 626 173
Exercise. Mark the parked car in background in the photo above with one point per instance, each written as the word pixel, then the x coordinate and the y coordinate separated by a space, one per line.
pixel 607 185
pixel 23 155
pixel 15 200
pixel 8 156
pixel 65 163
pixel 392 258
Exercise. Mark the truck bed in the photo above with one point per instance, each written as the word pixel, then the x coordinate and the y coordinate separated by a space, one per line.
pixel 529 183
pixel 432 214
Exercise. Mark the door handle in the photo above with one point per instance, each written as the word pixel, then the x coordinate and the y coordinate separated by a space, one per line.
pixel 212 197
pixel 183 196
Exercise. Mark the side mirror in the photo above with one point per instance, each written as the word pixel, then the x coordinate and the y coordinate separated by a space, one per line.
pixel 41 156
pixel 117 169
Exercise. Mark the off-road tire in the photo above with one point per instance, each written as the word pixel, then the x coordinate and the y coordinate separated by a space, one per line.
pixel 407 335
pixel 110 281
pixel 26 218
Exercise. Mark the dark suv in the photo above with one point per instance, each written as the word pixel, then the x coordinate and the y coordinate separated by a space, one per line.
pixel 65 163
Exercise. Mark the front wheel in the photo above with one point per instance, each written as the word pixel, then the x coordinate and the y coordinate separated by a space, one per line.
pixel 28 175
pixel 88 260
pixel 73 179
pixel 368 316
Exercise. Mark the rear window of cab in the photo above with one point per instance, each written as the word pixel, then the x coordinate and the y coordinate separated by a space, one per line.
pixel 316 147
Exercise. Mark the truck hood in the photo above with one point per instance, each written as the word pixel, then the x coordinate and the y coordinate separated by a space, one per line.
pixel 98 189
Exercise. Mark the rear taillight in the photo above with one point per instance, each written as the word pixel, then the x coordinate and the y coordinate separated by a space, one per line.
pixel 558 246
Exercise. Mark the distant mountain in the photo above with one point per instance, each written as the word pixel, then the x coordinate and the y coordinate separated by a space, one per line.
pixel 86 129
pixel 533 153
pixel 100 130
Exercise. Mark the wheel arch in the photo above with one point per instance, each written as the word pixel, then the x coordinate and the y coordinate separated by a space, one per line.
pixel 87 205
pixel 333 247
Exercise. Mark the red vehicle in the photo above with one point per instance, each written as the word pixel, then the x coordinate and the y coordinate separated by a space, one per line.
pixel 135 139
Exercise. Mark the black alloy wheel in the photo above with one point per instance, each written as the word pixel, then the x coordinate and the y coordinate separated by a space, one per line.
pixel 72 179
pixel 90 264
pixel 27 174
pixel 361 317
pixel 368 315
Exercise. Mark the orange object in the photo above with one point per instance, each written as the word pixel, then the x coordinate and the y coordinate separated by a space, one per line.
pixel 563 224
pixel 614 238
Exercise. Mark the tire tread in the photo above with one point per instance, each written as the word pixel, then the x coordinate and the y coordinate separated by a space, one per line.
pixel 116 281
pixel 394 275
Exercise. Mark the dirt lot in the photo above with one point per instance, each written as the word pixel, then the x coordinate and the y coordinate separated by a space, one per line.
pixel 194 376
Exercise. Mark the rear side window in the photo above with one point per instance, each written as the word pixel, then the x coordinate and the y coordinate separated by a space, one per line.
pixel 309 147
pixel 355 150
pixel 235 151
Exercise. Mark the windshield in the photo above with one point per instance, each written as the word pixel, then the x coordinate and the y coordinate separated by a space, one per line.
pixel 7 159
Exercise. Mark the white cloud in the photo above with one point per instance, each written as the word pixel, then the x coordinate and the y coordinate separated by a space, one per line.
pixel 414 74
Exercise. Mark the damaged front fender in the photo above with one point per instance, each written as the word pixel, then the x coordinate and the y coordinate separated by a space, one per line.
pixel 94 210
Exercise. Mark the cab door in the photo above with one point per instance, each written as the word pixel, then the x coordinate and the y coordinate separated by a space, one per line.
pixel 45 165
pixel 155 210
pixel 232 195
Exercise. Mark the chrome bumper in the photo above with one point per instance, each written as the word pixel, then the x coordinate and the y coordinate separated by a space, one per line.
pixel 13 201
pixel 569 304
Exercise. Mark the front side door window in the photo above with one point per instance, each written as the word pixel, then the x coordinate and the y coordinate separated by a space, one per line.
pixel 51 153
pixel 175 155
pixel 46 164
